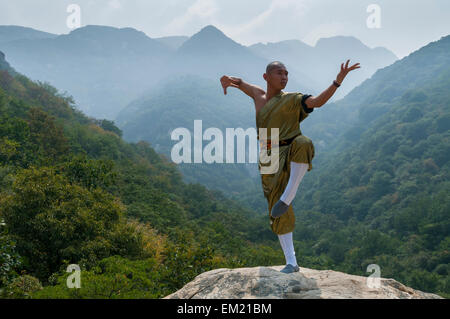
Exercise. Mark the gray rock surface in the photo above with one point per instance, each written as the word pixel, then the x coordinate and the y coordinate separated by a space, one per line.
pixel 270 283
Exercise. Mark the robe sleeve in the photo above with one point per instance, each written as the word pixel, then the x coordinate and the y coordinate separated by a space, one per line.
pixel 300 104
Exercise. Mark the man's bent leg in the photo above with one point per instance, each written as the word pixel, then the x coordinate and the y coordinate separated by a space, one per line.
pixel 301 153
pixel 298 170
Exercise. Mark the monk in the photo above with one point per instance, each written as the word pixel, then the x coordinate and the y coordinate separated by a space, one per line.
pixel 284 110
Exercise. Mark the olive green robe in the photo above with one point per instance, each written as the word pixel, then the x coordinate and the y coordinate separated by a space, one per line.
pixel 284 111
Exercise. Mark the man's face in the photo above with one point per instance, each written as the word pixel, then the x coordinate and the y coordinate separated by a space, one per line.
pixel 277 78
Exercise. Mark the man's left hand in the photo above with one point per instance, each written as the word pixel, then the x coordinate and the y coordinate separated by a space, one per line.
pixel 344 71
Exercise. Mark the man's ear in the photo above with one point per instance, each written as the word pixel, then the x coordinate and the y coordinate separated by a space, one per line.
pixel 265 76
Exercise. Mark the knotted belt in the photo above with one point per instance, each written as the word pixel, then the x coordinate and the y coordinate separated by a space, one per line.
pixel 282 142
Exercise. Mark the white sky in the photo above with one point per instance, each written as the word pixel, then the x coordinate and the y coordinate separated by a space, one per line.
pixel 406 25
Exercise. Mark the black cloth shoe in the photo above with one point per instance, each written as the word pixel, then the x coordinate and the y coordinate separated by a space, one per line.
pixel 279 209
pixel 290 269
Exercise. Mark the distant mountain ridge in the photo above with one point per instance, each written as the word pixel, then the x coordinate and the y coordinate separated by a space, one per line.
pixel 321 63
pixel 13 32
pixel 105 68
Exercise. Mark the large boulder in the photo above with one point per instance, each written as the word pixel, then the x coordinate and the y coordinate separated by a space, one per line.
pixel 269 282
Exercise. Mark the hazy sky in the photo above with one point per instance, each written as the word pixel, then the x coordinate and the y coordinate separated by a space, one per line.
pixel 405 25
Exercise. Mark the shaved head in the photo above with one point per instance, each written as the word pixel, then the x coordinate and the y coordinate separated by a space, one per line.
pixel 274 65
pixel 276 76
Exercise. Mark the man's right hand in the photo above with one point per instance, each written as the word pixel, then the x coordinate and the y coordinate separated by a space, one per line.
pixel 229 81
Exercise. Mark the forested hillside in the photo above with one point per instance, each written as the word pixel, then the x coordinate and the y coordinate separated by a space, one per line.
pixel 389 172
pixel 73 192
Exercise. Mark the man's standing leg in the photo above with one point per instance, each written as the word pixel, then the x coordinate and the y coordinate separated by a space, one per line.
pixel 287 245
pixel 274 186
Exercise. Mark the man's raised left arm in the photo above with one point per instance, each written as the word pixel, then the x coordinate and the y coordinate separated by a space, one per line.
pixel 318 101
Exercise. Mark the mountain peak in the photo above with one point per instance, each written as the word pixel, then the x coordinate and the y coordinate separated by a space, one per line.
pixel 339 40
pixel 210 33
pixel 106 39
pixel 210 29
pixel 210 39
pixel 93 28
pixel 100 31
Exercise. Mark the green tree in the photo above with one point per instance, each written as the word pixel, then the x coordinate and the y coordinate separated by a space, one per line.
pixel 47 138
pixel 55 223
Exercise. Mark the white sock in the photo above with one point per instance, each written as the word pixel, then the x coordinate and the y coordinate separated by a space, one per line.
pixel 287 245
pixel 298 170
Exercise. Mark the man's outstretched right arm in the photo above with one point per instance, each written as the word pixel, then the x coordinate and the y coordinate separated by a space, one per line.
pixel 251 90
